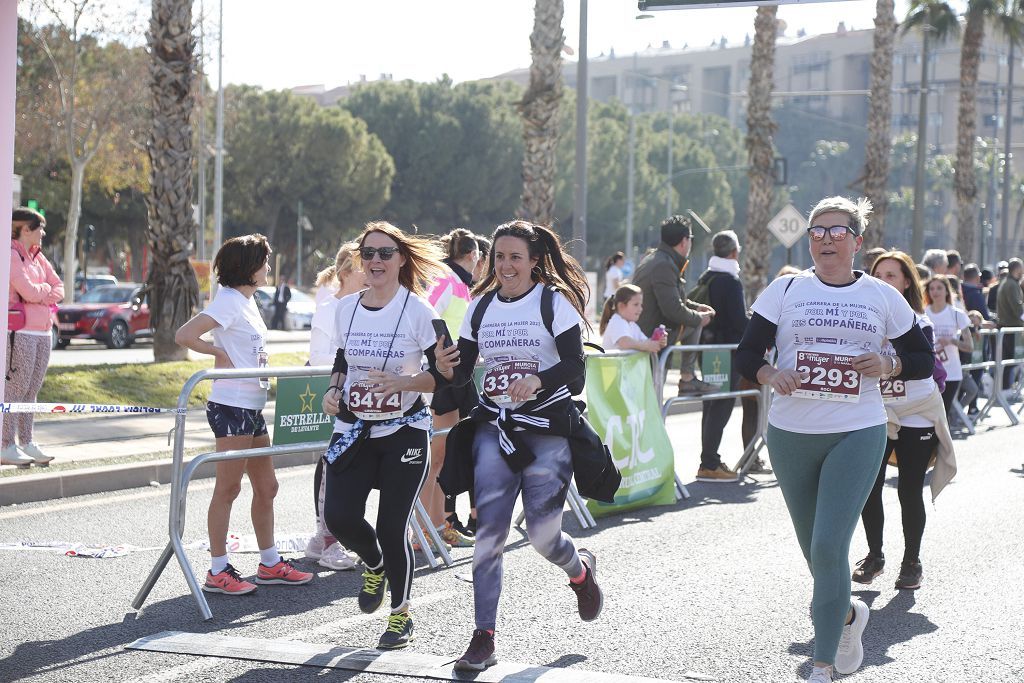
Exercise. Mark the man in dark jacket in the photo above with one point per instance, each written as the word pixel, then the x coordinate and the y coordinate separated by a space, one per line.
pixel 974 297
pixel 282 295
pixel 660 277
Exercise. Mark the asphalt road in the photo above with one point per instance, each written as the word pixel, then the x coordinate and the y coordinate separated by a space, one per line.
pixel 714 584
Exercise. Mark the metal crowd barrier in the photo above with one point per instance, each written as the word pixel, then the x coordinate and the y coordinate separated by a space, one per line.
pixel 182 474
pixel 996 366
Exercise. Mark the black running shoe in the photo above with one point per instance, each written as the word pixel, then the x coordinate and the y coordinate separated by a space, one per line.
pixel 398 633
pixel 868 568
pixel 480 653
pixel 457 524
pixel 375 584
pixel 910 576
pixel 471 525
pixel 588 594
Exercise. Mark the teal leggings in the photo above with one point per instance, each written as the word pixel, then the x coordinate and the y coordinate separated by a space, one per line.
pixel 826 479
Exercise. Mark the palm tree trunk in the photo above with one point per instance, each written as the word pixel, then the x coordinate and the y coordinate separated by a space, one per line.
pixel 173 289
pixel 964 180
pixel 760 128
pixel 539 109
pixel 879 143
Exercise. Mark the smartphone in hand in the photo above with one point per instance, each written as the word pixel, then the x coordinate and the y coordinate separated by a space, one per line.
pixel 441 330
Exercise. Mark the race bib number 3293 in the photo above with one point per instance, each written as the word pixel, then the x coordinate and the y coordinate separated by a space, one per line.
pixel 831 377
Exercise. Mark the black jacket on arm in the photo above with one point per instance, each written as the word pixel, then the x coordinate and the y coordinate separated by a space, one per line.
pixel 725 295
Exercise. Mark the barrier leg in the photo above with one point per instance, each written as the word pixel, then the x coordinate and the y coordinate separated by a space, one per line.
pixel 520 519
pixel 578 508
pixel 681 490
pixel 961 415
pixel 417 530
pixel 583 505
pixel 439 543
pixel 154 575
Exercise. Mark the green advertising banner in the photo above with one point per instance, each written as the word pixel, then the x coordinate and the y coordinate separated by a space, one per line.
pixel 715 368
pixel 299 417
pixel 627 415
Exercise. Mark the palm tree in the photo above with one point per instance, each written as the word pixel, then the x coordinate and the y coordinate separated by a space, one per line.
pixel 937 21
pixel 539 108
pixel 879 144
pixel 1011 25
pixel 760 128
pixel 172 286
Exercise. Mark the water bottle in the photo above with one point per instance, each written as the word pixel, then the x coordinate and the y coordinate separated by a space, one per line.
pixel 659 333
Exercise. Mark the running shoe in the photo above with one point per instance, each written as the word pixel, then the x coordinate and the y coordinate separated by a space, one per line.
pixel 335 557
pixel 868 568
pixel 910 576
pixel 228 582
pixel 283 573
pixel 471 525
pixel 719 474
pixel 693 387
pixel 454 538
pixel 398 633
pixel 457 524
pixel 759 467
pixel 38 457
pixel 820 674
pixel 418 548
pixel 480 653
pixel 375 584
pixel 589 597
pixel 850 655
pixel 315 547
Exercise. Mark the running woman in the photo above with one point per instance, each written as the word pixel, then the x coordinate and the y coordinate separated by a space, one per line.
pixel 826 431
pixel 382 432
pixel 525 415
pixel 952 332
pixel 917 424
pixel 235 412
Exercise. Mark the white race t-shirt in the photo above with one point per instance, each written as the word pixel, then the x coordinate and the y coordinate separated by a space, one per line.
pixel 513 341
pixel 611 277
pixel 618 327
pixel 243 334
pixel 321 332
pixel 815 319
pixel 948 323
pixel 366 348
pixel 898 391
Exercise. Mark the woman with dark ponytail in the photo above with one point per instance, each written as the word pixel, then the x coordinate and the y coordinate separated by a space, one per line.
pixel 525 323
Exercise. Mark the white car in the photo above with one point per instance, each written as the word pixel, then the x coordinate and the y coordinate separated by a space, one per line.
pixel 300 308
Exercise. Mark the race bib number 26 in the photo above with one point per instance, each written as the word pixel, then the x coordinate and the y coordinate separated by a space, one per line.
pixel 832 377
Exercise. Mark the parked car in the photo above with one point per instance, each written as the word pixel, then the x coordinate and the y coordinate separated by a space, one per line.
pixel 90 282
pixel 300 309
pixel 116 315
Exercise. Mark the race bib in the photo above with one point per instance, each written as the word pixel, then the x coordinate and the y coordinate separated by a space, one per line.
pixel 832 377
pixel 893 390
pixel 500 377
pixel 262 361
pixel 366 405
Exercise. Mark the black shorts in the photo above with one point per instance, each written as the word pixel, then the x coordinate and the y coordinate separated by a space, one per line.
pixel 451 398
pixel 231 421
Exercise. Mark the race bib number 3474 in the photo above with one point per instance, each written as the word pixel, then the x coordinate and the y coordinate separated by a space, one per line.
pixel 832 377
pixel 367 405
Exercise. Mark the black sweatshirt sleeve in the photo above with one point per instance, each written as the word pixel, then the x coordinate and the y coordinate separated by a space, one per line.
pixel 469 350
pixel 572 365
pixel 340 363
pixel 440 381
pixel 915 353
pixel 757 339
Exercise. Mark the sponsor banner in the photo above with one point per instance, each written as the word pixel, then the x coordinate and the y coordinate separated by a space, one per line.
pixel 627 415
pixel 299 415
pixel 715 368
pixel 83 408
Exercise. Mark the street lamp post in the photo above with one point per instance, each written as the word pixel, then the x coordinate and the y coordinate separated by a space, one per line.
pixel 671 124
pixel 579 214
pixel 917 235
pixel 218 167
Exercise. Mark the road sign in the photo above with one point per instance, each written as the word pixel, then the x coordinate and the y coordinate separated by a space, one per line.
pixel 788 226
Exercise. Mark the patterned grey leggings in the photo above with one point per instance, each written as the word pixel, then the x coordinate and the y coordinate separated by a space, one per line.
pixel 28 358
pixel 544 484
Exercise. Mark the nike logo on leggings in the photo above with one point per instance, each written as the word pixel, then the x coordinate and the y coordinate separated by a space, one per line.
pixel 412 455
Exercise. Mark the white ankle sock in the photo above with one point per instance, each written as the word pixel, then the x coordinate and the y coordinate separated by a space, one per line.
pixel 218 564
pixel 269 557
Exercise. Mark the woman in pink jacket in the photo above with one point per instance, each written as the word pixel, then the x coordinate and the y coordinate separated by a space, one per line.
pixel 36 286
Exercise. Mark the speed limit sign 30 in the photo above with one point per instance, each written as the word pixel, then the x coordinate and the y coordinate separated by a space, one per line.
pixel 788 226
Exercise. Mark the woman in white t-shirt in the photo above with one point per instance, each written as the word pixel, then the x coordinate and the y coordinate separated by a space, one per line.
pixel 952 332
pixel 382 432
pixel 235 412
pixel 826 425
pixel 613 273
pixel 618 322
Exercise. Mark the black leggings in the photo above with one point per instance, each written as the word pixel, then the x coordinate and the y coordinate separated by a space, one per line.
pixel 949 393
pixel 397 465
pixel 913 451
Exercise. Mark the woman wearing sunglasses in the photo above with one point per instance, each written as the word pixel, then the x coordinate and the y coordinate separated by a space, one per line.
pixel 826 426
pixel 382 432
pixel 34 288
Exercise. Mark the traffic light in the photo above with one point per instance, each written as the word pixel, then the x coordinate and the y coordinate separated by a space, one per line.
pixel 90 237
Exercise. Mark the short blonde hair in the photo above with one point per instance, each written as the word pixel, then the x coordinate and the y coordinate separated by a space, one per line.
pixel 858 212
pixel 344 263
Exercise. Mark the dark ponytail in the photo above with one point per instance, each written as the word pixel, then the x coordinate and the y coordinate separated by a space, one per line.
pixel 458 243
pixel 610 261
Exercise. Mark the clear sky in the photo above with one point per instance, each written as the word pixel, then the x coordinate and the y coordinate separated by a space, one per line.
pixel 277 44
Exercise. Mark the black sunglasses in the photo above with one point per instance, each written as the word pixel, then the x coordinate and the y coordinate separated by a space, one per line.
pixel 385 253
pixel 838 233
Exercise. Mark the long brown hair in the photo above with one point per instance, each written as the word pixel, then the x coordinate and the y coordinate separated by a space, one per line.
pixel 913 291
pixel 554 268
pixel 623 295
pixel 422 256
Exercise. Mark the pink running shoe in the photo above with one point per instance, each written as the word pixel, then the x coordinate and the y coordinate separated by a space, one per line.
pixel 228 582
pixel 283 573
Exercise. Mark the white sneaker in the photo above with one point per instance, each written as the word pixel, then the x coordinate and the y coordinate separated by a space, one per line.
pixel 11 455
pixel 820 674
pixel 315 547
pixel 335 557
pixel 851 651
pixel 32 451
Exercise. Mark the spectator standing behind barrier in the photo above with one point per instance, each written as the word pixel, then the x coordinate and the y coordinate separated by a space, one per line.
pixel 333 284
pixel 34 289
pixel 618 323
pixel 992 295
pixel 869 257
pixel 826 453
pixel 1009 312
pixel 952 332
pixel 660 277
pixel 235 412
pixel 282 295
pixel 974 296
pixel 725 296
pixel 916 426
pixel 937 261
pixel 613 273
